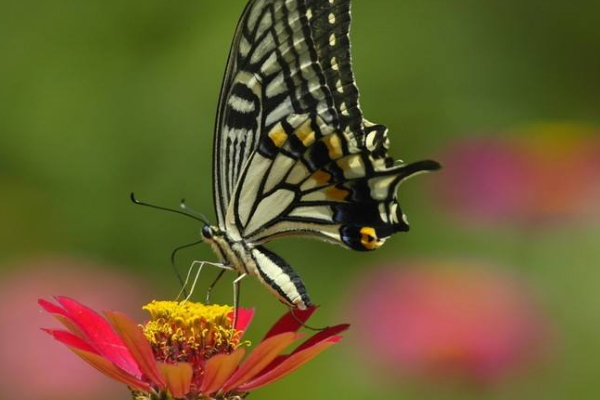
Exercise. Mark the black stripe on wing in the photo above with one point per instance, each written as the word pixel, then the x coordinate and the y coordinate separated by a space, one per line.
pixel 330 24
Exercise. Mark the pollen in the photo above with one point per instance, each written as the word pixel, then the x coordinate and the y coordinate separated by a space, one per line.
pixel 188 331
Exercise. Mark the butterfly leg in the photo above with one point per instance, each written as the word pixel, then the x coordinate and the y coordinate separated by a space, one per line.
pixel 302 323
pixel 200 265
pixel 212 285
pixel 236 296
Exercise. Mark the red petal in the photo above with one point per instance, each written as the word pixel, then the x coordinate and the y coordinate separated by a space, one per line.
pixel 291 322
pixel 138 345
pixel 111 370
pixel 244 319
pixel 70 340
pixel 321 336
pixel 52 308
pixel 312 341
pixel 218 370
pixel 100 334
pixel 178 378
pixel 61 315
pixel 291 364
pixel 262 356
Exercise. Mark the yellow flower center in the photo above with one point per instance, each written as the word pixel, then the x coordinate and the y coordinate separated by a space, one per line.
pixel 187 331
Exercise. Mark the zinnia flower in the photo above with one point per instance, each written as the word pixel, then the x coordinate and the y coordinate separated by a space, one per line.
pixel 186 350
pixel 448 322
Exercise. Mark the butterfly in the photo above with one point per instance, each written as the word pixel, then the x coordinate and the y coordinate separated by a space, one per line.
pixel 293 154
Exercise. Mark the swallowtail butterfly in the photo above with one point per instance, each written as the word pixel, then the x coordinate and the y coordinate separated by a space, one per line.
pixel 293 155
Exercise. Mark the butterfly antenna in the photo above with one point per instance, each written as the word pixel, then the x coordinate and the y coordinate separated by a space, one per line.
pixel 174 264
pixel 135 200
pixel 183 205
pixel 298 320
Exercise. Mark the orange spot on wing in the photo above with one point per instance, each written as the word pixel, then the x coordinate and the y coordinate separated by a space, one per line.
pixel 321 178
pixel 337 194
pixel 334 146
pixel 352 166
pixel 369 239
pixel 278 135
pixel 306 134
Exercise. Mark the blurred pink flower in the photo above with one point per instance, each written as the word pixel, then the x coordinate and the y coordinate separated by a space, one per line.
pixel 471 325
pixel 36 371
pixel 540 174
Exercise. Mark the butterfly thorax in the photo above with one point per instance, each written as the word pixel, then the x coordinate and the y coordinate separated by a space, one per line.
pixel 229 251
pixel 255 260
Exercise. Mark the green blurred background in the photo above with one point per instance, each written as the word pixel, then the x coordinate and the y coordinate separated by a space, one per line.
pixel 98 99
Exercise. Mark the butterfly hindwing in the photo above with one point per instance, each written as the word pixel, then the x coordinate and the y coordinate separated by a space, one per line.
pixel 304 180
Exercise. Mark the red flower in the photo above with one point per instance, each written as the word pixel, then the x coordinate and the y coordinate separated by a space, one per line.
pixel 187 350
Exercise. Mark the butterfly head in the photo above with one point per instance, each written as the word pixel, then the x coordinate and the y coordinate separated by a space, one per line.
pixel 209 233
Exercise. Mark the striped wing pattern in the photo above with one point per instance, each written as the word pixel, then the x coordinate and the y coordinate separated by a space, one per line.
pixel 272 72
pixel 293 154
pixel 330 26
pixel 307 179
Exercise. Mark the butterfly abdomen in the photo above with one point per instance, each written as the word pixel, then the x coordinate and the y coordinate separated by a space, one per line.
pixel 280 278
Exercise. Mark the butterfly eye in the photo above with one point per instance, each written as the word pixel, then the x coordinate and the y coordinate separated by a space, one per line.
pixel 207 232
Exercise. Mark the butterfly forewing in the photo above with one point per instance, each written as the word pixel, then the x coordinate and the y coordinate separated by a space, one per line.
pixel 272 72
pixel 330 25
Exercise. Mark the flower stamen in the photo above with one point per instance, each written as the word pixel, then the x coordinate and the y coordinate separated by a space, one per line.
pixel 184 331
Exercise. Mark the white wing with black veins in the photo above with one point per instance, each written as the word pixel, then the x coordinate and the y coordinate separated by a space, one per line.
pixel 293 154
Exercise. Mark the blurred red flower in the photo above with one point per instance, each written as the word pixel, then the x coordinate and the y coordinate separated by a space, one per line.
pixel 540 174
pixel 470 325
pixel 186 350
pixel 46 371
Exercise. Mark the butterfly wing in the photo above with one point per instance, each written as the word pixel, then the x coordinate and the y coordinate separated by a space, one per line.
pixel 330 27
pixel 272 72
pixel 308 179
pixel 296 156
